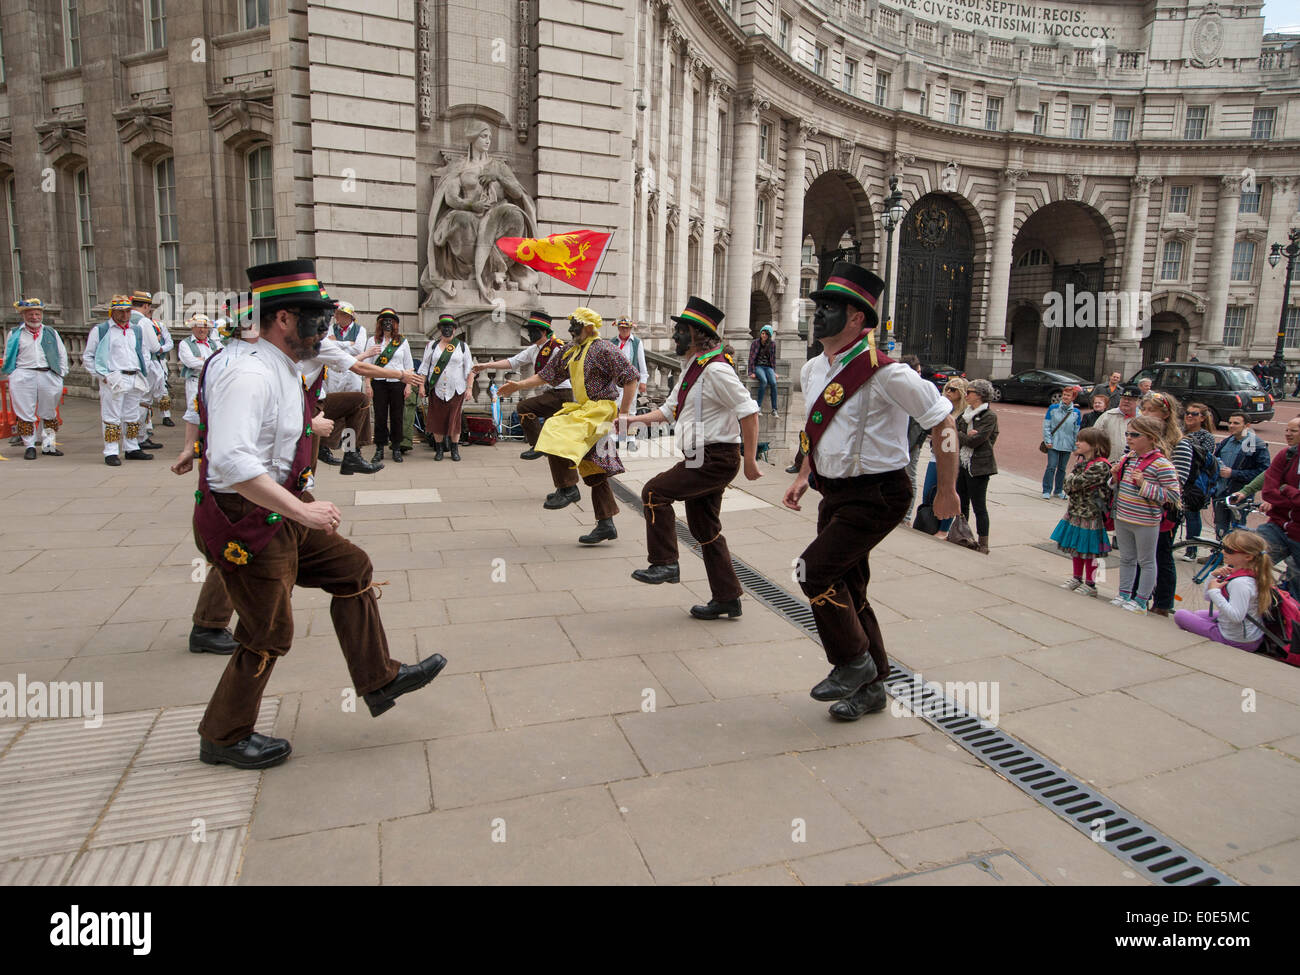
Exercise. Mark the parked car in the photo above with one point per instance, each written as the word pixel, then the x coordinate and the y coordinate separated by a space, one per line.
pixel 1224 389
pixel 939 373
pixel 1041 386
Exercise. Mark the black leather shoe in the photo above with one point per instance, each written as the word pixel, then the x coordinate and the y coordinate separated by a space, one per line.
pixel 52 452
pixel 603 532
pixel 167 421
pixel 148 443
pixel 379 455
pixel 714 610
pixel 530 454
pixel 138 455
pixel 255 751
pixel 217 640
pixel 112 460
pixel 845 679
pixel 455 452
pixel 867 700
pixel 326 456
pixel 354 463
pixel 408 679
pixel 792 469
pixel 29 453
pixel 397 455
pixel 562 497
pixel 655 574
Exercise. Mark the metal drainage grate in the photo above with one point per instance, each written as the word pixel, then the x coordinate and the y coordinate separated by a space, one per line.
pixel 1109 824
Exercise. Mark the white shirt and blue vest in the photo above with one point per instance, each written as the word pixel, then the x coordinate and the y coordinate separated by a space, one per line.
pixel 39 351
pixel 352 340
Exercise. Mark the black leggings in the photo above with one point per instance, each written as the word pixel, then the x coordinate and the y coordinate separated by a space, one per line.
pixel 974 491
pixel 388 411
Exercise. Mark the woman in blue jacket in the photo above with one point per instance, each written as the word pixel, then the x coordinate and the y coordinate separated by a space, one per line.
pixel 1060 431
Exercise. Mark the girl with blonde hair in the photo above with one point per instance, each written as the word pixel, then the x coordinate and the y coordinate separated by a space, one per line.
pixel 1167 410
pixel 1243 588
pixel 1145 480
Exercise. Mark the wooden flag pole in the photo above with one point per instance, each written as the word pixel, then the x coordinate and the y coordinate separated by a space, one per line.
pixel 603 254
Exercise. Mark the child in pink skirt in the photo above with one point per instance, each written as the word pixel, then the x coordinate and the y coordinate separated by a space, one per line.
pixel 1088 490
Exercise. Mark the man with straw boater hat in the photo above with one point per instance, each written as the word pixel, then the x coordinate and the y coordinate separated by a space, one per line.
pixel 578 435
pixel 351 337
pixel 256 521
pixel 714 414
pixel 855 446
pixel 35 363
pixel 117 354
pixel 143 309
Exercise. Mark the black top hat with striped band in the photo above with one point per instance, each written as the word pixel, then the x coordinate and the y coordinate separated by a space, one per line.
pixel 857 286
pixel 539 319
pixel 288 284
pixel 702 315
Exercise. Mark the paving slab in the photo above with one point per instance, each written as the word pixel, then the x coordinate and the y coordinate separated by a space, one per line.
pixel 574 837
pixel 580 689
pixel 855 865
pixel 998 870
pixel 344 857
pixel 719 820
pixel 1241 716
pixel 1099 664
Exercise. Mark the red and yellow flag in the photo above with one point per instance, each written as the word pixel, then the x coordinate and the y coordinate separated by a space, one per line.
pixel 572 257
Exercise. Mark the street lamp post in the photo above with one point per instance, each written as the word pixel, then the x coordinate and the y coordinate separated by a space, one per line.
pixel 891 216
pixel 1290 251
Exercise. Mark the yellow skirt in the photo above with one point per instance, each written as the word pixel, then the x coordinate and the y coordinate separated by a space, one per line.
pixel 577 428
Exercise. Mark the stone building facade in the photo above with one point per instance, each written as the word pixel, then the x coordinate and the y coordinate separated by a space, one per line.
pixel 1146 149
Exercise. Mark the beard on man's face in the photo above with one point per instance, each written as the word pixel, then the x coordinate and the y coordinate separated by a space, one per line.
pixel 682 336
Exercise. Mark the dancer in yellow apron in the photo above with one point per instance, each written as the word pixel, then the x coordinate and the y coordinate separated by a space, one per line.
pixel 580 432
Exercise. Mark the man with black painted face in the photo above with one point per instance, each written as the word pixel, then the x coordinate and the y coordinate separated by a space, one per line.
pixel 714 415
pixel 855 444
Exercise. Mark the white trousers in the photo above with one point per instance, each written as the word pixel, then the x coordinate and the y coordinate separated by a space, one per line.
pixel 158 395
pixel 36 395
pixel 191 391
pixel 120 412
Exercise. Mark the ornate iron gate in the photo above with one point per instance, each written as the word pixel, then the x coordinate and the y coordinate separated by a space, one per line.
pixel 935 258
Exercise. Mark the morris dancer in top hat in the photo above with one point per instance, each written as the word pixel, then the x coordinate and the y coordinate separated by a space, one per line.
pixel 117 354
pixel 257 522
pixel 532 411
pixel 35 363
pixel 855 441
pixel 579 433
pixel 714 414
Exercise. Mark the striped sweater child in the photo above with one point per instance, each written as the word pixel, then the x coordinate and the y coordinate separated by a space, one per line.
pixel 1160 484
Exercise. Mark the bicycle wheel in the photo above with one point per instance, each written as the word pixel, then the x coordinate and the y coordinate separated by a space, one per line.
pixel 1190 591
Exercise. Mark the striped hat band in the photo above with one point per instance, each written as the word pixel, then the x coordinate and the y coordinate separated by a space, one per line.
pixel 120 301
pixel 290 284
pixel 695 316
pixel 29 303
pixel 538 323
pixel 850 288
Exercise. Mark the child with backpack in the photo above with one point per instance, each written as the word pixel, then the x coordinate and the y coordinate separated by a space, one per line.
pixel 1145 481
pixel 1082 532
pixel 1240 595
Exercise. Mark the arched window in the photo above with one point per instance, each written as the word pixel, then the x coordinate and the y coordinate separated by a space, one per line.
pixel 261 207
pixel 1034 257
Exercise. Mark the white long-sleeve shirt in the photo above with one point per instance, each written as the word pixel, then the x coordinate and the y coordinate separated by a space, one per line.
pixel 331 354
pixel 346 381
pixel 402 359
pixel 121 351
pixel 639 362
pixel 714 407
pixel 868 434
pixel 255 418
pixel 1231 610
pixel 454 379
pixel 31 354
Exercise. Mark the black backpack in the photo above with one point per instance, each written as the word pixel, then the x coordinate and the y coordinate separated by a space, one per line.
pixel 1197 484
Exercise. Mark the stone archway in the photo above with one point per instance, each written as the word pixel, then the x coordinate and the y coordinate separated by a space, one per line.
pixel 1066 249
pixel 760 313
pixel 936 258
pixel 837 215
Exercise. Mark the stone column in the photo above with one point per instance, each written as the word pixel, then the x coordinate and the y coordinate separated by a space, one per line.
pixel 995 317
pixel 655 310
pixel 693 66
pixel 717 92
pixel 744 203
pixel 796 157
pixel 1225 232
pixel 1125 354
